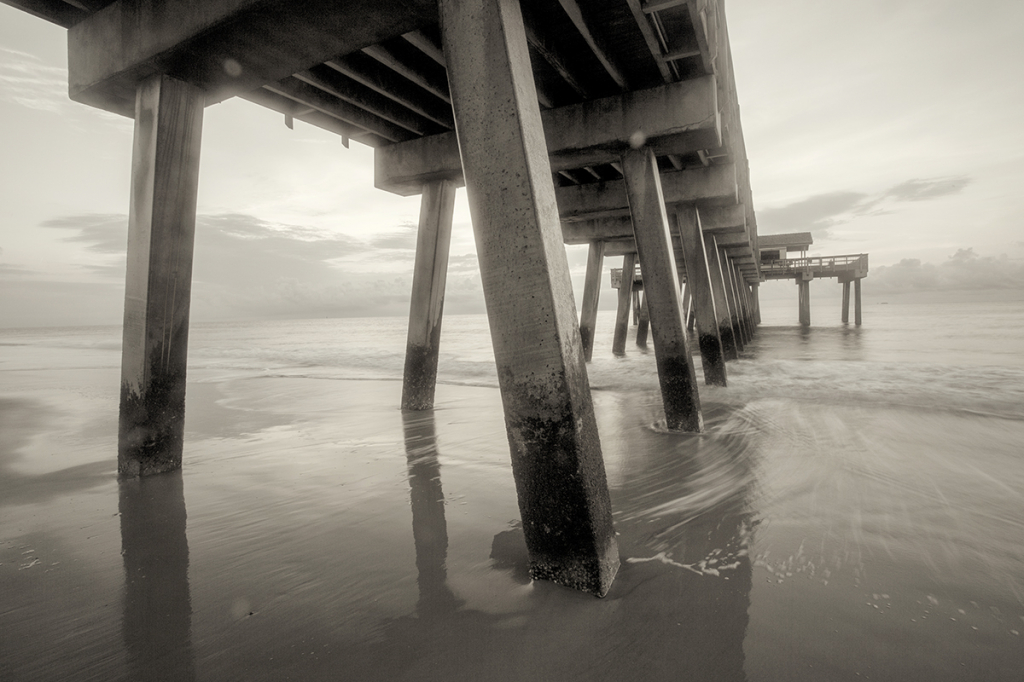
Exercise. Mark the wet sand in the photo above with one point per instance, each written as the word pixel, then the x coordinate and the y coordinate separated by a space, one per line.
pixel 316 532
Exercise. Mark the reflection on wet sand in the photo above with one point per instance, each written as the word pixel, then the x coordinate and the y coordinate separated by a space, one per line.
pixel 678 609
pixel 157 617
pixel 429 530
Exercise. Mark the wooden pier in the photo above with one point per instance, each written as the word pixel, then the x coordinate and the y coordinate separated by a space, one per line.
pixel 609 122
pixel 775 264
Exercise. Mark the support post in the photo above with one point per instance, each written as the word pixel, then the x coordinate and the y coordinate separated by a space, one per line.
pixel 756 295
pixel 846 302
pixel 744 291
pixel 427 306
pixel 644 322
pixel 739 325
pixel 698 287
pixel 804 296
pixel 161 233
pixel 591 295
pixel 636 304
pixel 730 297
pixel 725 329
pixel 856 301
pixel 661 285
pixel 549 415
pixel 625 297
pixel 691 317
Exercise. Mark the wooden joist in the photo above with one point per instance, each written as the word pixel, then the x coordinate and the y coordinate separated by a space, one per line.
pixel 675 118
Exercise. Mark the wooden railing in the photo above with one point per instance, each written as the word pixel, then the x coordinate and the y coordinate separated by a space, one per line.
pixel 819 266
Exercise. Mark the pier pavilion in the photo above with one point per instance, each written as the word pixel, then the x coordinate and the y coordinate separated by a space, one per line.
pixel 847 269
pixel 608 122
pixel 775 264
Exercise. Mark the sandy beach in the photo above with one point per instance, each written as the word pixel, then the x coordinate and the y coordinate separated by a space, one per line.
pixel 316 532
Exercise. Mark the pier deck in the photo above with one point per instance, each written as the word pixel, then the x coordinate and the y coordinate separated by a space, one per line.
pixel 614 123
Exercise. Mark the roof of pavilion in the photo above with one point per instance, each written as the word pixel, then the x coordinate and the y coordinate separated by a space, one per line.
pixel 791 241
pixel 373 71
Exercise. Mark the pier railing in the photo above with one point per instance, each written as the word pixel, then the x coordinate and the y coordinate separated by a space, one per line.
pixel 851 265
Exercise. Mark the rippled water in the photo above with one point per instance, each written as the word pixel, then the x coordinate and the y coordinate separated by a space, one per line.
pixel 854 511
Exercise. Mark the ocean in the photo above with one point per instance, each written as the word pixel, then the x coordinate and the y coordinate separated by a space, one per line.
pixel 854 510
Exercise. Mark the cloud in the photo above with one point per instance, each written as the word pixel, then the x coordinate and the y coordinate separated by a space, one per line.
pixel 9 271
pixel 403 239
pixel 815 214
pixel 819 213
pixel 245 267
pixel 922 190
pixel 100 233
pixel 25 80
pixel 964 270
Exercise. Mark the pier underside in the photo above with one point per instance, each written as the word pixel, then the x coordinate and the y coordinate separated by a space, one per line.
pixel 613 123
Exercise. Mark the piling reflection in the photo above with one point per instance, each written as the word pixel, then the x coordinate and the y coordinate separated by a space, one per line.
pixel 677 610
pixel 429 530
pixel 157 617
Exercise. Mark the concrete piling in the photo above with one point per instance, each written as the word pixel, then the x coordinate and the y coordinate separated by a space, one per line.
pixel 661 286
pixel 427 306
pixel 856 302
pixel 549 416
pixel 699 290
pixel 725 328
pixel 804 300
pixel 625 298
pixel 644 322
pixel 161 232
pixel 756 295
pixel 846 302
pixel 591 296
pixel 738 323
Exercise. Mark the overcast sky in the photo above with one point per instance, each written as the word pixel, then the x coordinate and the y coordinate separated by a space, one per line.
pixel 888 127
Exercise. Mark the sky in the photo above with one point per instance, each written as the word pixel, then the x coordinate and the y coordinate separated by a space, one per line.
pixel 884 127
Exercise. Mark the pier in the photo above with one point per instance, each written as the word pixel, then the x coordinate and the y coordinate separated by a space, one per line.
pixel 613 123
pixel 775 265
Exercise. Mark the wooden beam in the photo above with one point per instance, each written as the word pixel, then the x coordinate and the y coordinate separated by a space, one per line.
pixel 596 44
pixel 552 54
pixel 707 46
pixel 419 76
pixel 54 11
pixel 713 219
pixel 653 44
pixel 306 94
pixel 290 107
pixel 426 46
pixel 225 47
pixel 348 90
pixel 677 118
pixel 713 185
pixel 374 75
